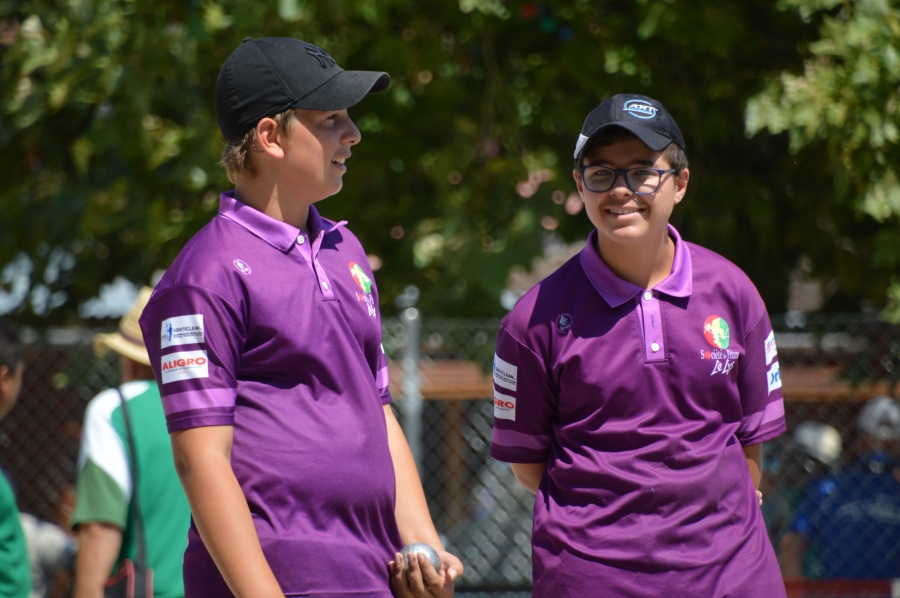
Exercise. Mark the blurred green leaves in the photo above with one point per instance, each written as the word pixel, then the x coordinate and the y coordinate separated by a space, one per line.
pixel 847 100
pixel 109 144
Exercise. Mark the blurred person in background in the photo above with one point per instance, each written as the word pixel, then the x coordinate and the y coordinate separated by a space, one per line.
pixel 51 551
pixel 15 571
pixel 103 516
pixel 851 520
pixel 791 465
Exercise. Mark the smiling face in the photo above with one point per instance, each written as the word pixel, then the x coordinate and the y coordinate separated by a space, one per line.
pixel 316 149
pixel 620 215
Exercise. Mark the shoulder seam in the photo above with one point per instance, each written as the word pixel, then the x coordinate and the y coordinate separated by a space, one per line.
pixel 523 345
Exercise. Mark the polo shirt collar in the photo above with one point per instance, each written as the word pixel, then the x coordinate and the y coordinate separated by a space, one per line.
pixel 276 233
pixel 616 291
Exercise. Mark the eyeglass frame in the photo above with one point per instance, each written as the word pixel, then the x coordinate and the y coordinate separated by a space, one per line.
pixel 624 173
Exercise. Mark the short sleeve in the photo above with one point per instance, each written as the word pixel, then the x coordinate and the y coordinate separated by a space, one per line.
pixel 383 377
pixel 104 478
pixel 759 385
pixel 524 403
pixel 194 339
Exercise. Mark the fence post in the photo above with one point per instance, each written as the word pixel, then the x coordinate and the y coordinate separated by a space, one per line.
pixel 412 389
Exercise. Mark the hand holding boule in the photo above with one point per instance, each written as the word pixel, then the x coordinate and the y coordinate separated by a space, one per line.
pixel 421 548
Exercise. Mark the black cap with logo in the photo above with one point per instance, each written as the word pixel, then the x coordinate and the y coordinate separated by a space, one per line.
pixel 266 76
pixel 643 116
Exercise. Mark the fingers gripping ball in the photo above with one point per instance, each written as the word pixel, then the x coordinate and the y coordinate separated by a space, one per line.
pixel 429 552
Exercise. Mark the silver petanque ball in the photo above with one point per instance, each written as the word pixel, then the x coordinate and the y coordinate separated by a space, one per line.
pixel 429 552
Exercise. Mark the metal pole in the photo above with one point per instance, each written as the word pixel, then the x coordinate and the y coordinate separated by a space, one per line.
pixel 412 389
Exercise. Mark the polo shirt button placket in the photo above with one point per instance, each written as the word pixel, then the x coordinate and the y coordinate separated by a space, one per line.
pixel 652 321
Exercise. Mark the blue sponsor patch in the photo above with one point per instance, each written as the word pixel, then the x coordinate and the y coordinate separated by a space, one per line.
pixel 640 109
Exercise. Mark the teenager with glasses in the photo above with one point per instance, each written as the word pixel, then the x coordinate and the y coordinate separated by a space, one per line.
pixel 635 387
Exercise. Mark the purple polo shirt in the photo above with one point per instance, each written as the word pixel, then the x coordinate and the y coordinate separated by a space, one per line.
pixel 277 332
pixel 639 402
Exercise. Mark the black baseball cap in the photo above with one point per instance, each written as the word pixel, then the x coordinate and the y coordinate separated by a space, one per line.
pixel 266 76
pixel 643 116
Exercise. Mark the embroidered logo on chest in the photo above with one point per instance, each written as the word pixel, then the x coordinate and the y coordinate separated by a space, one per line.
pixel 718 334
pixel 242 266
pixel 365 285
pixel 564 323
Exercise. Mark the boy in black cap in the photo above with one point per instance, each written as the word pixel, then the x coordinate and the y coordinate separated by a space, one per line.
pixel 265 338
pixel 634 387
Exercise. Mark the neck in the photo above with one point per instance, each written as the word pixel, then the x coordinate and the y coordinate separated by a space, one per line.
pixel 642 264
pixel 272 199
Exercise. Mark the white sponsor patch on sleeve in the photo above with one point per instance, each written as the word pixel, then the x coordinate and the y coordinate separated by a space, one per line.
pixel 184 366
pixel 182 330
pixel 771 352
pixel 774 377
pixel 506 375
pixel 504 406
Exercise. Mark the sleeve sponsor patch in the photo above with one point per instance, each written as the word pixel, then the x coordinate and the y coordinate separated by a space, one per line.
pixel 182 330
pixel 506 375
pixel 504 406
pixel 774 377
pixel 771 352
pixel 184 366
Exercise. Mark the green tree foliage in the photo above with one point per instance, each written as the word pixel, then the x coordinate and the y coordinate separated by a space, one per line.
pixel 108 140
pixel 845 106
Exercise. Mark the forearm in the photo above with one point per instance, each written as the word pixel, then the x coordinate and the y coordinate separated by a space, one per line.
pixel 99 547
pixel 221 514
pixel 413 518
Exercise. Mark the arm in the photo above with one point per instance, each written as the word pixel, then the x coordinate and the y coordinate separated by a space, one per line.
pixel 220 511
pixel 791 551
pixel 754 462
pixel 414 523
pixel 99 548
pixel 529 474
pixel 753 454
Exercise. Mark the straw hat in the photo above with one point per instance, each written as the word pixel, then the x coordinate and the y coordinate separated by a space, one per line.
pixel 129 340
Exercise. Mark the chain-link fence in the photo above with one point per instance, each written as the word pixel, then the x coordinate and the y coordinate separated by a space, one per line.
pixel 832 496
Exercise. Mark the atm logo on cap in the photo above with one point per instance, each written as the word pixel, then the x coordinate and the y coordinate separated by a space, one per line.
pixel 640 109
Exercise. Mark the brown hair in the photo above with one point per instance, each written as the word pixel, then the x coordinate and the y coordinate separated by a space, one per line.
pixel 673 154
pixel 236 154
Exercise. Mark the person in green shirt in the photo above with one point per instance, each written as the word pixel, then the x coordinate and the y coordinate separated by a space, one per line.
pixel 103 514
pixel 15 569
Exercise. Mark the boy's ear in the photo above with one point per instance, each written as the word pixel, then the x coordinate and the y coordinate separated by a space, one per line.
pixel 681 184
pixel 269 139
pixel 577 176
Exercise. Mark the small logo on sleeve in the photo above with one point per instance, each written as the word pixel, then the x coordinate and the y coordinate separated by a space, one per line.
pixel 182 330
pixel 771 352
pixel 564 323
pixel 184 366
pixel 774 377
pixel 506 375
pixel 242 266
pixel 504 406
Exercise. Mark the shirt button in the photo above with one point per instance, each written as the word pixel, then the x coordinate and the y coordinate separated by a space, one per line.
pixel 654 347
pixel 648 296
pixel 301 240
pixel 325 285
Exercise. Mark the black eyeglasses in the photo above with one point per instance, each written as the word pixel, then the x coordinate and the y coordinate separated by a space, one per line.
pixel 641 180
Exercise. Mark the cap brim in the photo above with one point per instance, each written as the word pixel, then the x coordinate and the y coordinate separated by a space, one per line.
pixel 118 343
pixel 344 90
pixel 651 139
